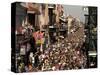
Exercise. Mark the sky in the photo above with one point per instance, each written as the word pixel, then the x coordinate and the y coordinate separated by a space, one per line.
pixel 75 11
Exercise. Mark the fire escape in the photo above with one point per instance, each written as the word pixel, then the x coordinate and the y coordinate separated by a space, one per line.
pixel 91 40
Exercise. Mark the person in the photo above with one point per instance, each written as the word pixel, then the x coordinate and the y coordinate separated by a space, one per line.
pixel 32 43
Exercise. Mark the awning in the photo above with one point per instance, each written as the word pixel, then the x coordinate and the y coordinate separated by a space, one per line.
pixel 92 53
pixel 31 8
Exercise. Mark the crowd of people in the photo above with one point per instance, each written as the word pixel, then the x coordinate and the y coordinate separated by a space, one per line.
pixel 64 54
pixel 58 56
pixel 51 40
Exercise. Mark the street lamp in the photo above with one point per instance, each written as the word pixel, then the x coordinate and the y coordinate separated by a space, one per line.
pixel 85 9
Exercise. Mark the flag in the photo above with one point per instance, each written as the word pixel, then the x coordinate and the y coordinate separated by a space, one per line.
pixel 38 37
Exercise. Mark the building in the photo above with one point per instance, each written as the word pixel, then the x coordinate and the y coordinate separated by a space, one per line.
pixel 91 33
